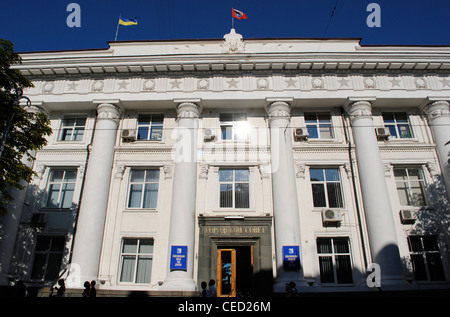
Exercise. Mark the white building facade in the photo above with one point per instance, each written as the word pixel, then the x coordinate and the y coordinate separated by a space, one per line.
pixel 253 162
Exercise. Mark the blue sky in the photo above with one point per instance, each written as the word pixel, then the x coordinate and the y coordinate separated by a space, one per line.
pixel 41 25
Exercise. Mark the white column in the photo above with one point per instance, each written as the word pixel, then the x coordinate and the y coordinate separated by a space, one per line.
pixel 182 216
pixel 284 191
pixel 438 114
pixel 92 211
pixel 377 207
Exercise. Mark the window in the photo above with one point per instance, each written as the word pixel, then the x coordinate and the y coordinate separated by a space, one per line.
pixel 319 126
pixel 61 186
pixel 326 187
pixel 334 260
pixel 47 257
pixel 150 127
pixel 72 129
pixel 398 125
pixel 136 261
pixel 425 258
pixel 144 186
pixel 234 188
pixel 410 186
pixel 233 126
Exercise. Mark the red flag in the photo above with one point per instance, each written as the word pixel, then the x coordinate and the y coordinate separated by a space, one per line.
pixel 239 14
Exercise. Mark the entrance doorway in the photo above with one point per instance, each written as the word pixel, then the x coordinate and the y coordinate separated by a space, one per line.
pixel 234 271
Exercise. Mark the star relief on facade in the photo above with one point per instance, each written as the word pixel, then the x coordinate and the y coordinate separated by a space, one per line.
pixel 233 43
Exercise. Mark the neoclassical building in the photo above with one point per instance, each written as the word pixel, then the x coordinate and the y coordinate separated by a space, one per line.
pixel 253 162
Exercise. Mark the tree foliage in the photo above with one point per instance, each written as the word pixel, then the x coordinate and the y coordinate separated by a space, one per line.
pixel 27 130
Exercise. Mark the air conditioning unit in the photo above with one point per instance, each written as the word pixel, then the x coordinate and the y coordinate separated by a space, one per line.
pixel 382 133
pixel 408 216
pixel 209 135
pixel 38 219
pixel 301 134
pixel 331 215
pixel 128 135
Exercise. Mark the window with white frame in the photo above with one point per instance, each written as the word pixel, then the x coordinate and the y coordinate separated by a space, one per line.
pixel 234 188
pixel 319 125
pixel 398 125
pixel 234 126
pixel 72 129
pixel 143 190
pixel 334 260
pixel 60 188
pixel 150 127
pixel 48 255
pixel 326 187
pixel 425 258
pixel 136 261
pixel 410 186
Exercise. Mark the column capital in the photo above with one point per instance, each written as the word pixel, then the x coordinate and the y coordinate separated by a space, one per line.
pixel 359 109
pixel 188 108
pixel 278 109
pixel 438 108
pixel 109 111
pixel 36 107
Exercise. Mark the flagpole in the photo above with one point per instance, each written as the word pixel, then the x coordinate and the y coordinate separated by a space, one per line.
pixel 232 20
pixel 117 30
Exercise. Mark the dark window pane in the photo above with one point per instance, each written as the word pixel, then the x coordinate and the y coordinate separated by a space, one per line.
pixel 343 269
pixel 226 195
pixel 415 244
pixel 435 267
pixel 388 117
pixel 319 195
pixel 310 118
pixel 242 196
pixel 334 195
pixel 341 245
pixel 326 269
pixel 324 245
pixel 430 243
pixel 418 263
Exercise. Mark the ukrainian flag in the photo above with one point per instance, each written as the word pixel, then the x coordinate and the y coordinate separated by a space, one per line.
pixel 124 21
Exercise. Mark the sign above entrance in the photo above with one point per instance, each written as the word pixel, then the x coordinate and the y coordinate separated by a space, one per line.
pixel 234 230
pixel 178 258
pixel 291 258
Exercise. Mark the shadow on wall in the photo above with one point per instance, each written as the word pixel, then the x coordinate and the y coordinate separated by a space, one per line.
pixel 39 221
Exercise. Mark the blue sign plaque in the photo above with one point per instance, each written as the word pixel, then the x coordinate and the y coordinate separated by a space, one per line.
pixel 178 257
pixel 291 258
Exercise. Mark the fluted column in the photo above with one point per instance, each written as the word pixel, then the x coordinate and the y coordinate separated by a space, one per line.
pixel 182 216
pixel 377 207
pixel 284 191
pixel 438 114
pixel 92 211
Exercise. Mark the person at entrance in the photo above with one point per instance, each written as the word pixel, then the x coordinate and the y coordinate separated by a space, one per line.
pixel 212 288
pixel 204 292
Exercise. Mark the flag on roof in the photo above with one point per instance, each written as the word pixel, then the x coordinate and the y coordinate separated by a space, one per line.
pixel 124 21
pixel 239 14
